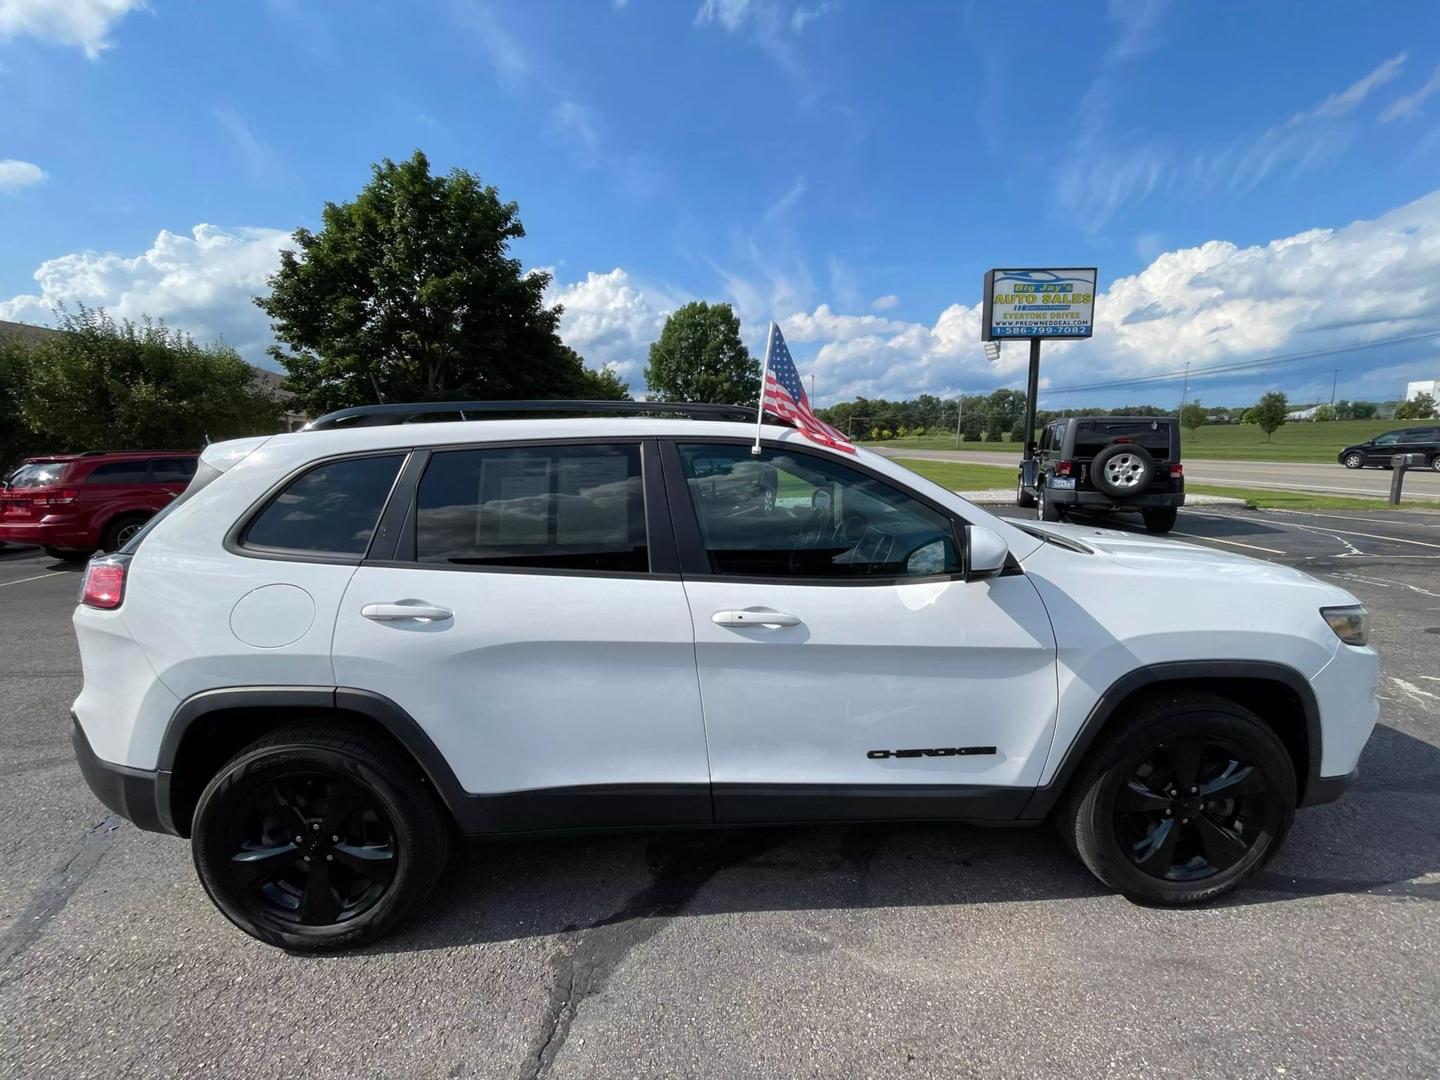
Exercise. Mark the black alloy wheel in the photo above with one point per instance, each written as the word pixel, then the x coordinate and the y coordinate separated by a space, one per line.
pixel 317 838
pixel 1193 808
pixel 1182 800
pixel 311 849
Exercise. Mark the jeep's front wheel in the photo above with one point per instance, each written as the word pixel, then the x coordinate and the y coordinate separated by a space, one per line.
pixel 1187 798
pixel 315 839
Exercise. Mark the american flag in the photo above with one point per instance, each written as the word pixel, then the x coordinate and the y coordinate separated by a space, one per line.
pixel 784 397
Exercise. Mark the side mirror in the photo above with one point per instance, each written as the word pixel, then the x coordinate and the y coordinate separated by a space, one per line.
pixel 985 553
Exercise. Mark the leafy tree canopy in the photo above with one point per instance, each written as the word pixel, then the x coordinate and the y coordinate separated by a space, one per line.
pixel 1420 407
pixel 410 293
pixel 1193 415
pixel 103 385
pixel 1269 412
pixel 700 357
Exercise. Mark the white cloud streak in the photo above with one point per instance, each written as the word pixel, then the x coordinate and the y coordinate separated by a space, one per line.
pixel 1408 107
pixel 83 24
pixel 15 176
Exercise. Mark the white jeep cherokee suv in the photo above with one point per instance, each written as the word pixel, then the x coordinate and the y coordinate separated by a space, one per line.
pixel 341 646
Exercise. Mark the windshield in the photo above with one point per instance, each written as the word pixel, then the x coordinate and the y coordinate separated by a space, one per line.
pixel 40 474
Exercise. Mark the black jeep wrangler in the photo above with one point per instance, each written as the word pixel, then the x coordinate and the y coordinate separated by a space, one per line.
pixel 1107 463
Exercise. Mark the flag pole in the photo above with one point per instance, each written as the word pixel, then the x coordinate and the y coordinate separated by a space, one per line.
pixel 760 405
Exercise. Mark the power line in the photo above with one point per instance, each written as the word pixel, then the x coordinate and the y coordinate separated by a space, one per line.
pixel 1241 365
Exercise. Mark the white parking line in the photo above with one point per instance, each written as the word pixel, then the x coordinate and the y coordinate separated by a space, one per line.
pixel 37 577
pixel 1370 536
pixel 1235 543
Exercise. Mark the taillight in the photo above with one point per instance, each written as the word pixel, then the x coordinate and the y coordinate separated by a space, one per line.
pixel 1063 468
pixel 1177 469
pixel 104 585
pixel 60 497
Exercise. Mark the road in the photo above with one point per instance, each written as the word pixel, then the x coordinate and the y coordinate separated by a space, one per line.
pixel 914 950
pixel 1277 475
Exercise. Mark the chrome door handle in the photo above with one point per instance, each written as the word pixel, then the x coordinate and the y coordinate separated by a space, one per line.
pixel 771 620
pixel 397 612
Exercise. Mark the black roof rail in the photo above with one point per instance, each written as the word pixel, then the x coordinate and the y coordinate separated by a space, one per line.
pixel 405 413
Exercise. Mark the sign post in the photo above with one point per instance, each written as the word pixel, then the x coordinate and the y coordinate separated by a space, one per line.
pixel 1037 304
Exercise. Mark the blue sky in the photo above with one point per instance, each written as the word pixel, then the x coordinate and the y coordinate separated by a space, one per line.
pixel 1252 180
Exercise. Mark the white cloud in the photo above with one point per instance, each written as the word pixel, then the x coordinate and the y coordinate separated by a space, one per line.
pixel 16 175
pixel 83 24
pixel 783 205
pixel 885 303
pixel 1355 94
pixel 611 320
pixel 1407 107
pixel 259 160
pixel 202 283
pixel 1209 304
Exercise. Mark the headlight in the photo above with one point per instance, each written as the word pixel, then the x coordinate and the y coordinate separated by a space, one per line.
pixel 1351 624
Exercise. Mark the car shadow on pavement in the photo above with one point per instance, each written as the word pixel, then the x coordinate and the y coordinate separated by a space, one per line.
pixel 1377 840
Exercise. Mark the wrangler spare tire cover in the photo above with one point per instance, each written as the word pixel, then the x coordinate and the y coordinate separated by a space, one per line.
pixel 1122 470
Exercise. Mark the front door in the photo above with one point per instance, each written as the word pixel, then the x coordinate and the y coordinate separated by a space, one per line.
pixel 846 668
pixel 523 623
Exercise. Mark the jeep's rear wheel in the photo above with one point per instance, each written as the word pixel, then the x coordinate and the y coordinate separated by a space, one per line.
pixel 1160 520
pixel 312 839
pixel 1046 510
pixel 1182 802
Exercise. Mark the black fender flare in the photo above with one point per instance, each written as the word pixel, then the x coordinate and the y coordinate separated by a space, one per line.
pixel 1045 798
pixel 467 809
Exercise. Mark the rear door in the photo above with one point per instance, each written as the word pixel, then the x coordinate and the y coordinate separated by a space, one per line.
pixel 530 617
pixel 847 669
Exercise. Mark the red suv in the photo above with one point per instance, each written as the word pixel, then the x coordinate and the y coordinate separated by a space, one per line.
pixel 74 504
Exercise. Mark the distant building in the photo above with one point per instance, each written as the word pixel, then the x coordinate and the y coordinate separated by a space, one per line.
pixel 1303 414
pixel 1424 386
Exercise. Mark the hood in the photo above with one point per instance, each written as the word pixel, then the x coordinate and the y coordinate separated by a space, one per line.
pixel 1174 557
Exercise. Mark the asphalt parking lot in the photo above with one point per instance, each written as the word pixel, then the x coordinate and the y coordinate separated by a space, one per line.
pixel 857 951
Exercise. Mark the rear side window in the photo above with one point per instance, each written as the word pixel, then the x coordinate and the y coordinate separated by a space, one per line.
pixel 331 510
pixel 172 470
pixel 547 508
pixel 37 475
pixel 119 472
pixel 1091 437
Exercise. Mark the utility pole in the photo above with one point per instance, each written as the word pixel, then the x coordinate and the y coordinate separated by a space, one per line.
pixel 812 389
pixel 959 415
pixel 1185 389
pixel 1334 378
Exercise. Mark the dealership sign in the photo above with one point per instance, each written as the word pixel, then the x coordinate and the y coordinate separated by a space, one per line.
pixel 1055 303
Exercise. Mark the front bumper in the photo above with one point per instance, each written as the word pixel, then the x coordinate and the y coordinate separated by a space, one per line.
pixel 140 796
pixel 1323 789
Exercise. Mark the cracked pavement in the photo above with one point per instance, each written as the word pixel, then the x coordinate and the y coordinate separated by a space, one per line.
pixel 916 950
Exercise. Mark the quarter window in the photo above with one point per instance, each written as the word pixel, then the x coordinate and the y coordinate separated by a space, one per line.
pixel 332 509
pixel 172 470
pixel 796 515
pixel 545 508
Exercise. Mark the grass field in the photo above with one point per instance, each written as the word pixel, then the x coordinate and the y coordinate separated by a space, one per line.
pixel 1235 442
pixel 963 476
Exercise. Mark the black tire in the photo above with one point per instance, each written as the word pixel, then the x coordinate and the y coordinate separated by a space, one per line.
pixel 1435 463
pixel 1161 520
pixel 68 554
pixel 1023 498
pixel 1353 460
pixel 1222 841
pixel 1139 471
pixel 393 838
pixel 1045 509
pixel 120 529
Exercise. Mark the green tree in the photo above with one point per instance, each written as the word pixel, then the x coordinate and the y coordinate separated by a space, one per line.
pixel 16 437
pixel 103 385
pixel 410 293
pixel 1192 415
pixel 1269 412
pixel 1420 407
pixel 1324 413
pixel 1363 410
pixel 700 357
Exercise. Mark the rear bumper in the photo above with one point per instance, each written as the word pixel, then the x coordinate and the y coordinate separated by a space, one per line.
pixel 1099 500
pixel 137 795
pixel 66 534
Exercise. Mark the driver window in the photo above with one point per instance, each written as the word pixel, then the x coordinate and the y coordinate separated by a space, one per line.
pixel 785 514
